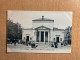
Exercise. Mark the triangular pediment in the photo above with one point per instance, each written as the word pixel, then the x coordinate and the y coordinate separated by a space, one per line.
pixel 42 27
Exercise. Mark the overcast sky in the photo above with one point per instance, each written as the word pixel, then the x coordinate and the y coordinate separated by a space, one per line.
pixel 61 19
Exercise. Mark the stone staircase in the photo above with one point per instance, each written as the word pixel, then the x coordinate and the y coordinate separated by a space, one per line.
pixel 43 44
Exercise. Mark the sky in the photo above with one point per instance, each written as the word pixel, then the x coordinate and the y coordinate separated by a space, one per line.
pixel 62 19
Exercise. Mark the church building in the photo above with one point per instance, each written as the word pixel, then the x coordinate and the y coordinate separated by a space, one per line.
pixel 43 31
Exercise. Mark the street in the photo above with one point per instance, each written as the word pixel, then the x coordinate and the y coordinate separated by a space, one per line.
pixel 39 49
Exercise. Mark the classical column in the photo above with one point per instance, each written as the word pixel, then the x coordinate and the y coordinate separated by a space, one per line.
pixel 44 36
pixel 48 37
pixel 39 36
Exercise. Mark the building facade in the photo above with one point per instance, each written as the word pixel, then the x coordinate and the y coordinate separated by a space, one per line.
pixel 43 31
pixel 68 34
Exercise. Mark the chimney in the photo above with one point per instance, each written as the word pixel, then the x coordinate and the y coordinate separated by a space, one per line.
pixel 42 17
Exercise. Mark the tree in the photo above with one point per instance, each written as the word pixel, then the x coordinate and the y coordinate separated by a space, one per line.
pixel 68 34
pixel 14 30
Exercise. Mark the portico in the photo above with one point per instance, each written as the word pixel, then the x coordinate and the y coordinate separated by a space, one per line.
pixel 42 34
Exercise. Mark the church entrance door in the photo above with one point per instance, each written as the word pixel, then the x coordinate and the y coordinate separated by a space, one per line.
pixel 42 36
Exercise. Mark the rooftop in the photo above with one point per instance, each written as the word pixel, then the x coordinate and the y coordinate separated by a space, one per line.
pixel 43 19
pixel 57 29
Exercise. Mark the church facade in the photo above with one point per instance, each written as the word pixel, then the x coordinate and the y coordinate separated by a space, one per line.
pixel 43 31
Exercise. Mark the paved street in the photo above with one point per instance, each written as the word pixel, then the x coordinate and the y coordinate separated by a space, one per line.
pixel 41 49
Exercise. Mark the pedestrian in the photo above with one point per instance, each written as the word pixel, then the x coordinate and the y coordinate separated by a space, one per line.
pixel 14 43
pixel 56 45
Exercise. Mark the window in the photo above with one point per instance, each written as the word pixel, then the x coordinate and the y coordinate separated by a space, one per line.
pixel 24 38
pixel 60 39
pixel 54 39
pixel 30 38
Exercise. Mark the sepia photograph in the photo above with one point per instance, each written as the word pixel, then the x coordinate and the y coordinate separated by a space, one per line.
pixel 39 31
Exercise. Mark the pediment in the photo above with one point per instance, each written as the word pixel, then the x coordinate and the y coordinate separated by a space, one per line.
pixel 42 27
